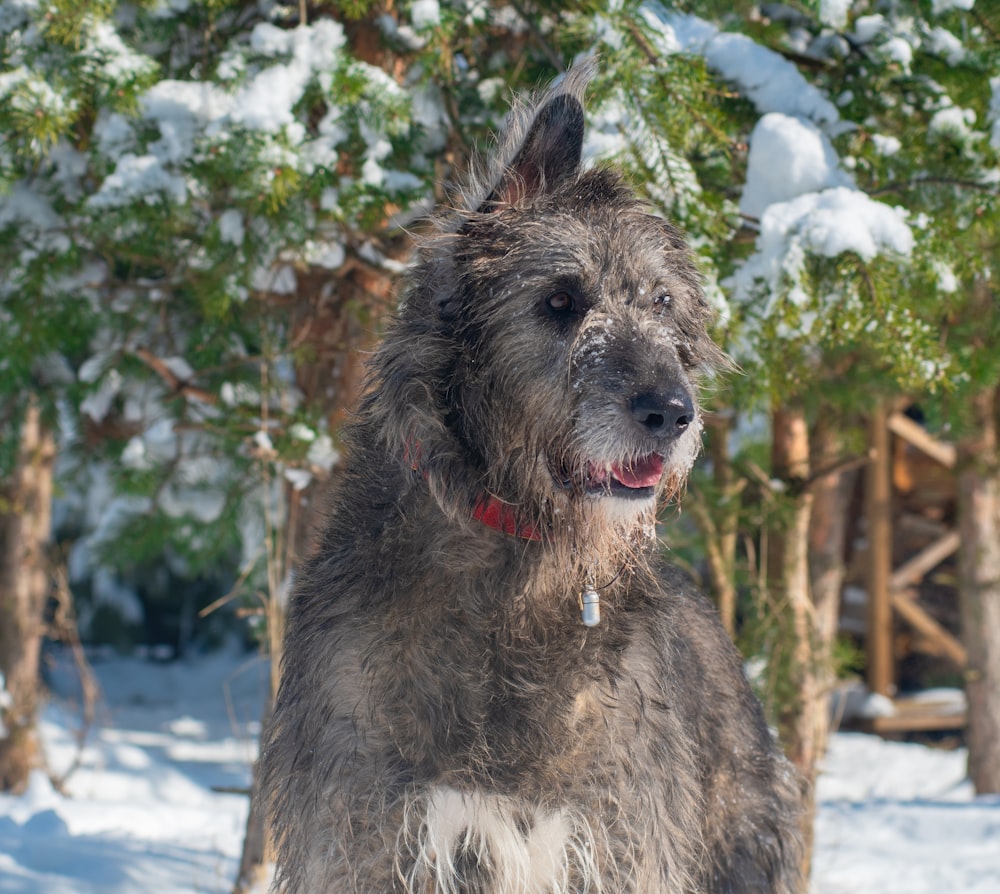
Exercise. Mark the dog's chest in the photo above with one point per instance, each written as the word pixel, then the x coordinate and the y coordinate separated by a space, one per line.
pixel 497 843
pixel 469 705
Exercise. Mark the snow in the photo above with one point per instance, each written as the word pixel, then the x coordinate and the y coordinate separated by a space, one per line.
pixel 138 176
pixel 231 227
pixel 322 453
pixel 298 478
pixel 6 701
pixel 825 223
pixel 266 102
pixel 886 145
pixel 944 43
pixel 898 50
pixel 952 122
pixel 425 14
pixel 97 403
pixel 140 813
pixel 867 28
pixel 834 12
pixel 144 811
pixel 767 79
pixel 942 6
pixel 788 157
pixel 797 186
pixel 902 817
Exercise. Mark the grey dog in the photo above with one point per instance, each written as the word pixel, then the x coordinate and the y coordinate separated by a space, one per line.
pixel 491 682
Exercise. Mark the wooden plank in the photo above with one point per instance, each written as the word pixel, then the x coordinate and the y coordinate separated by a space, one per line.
pixel 913 713
pixel 878 493
pixel 916 435
pixel 908 723
pixel 907 607
pixel 913 570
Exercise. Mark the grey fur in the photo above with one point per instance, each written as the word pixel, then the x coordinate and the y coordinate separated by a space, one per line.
pixel 445 723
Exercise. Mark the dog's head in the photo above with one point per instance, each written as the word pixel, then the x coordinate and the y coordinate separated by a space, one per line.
pixel 548 348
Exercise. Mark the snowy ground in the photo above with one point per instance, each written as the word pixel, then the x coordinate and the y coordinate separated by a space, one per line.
pixel 141 814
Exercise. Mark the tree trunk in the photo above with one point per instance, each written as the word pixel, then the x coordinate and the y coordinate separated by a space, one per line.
pixel 979 588
pixel 722 547
pixel 788 581
pixel 25 518
pixel 831 496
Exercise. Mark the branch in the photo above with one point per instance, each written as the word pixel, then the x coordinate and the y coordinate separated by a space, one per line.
pixel 177 385
pixel 655 59
pixel 937 181
pixel 63 628
pixel 532 23
pixel 844 465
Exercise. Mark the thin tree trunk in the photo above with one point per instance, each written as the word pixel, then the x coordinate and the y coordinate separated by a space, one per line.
pixel 25 520
pixel 979 589
pixel 878 513
pixel 256 854
pixel 788 579
pixel 831 496
pixel 722 549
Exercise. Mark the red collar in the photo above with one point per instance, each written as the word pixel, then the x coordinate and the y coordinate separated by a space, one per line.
pixel 491 511
pixel 501 516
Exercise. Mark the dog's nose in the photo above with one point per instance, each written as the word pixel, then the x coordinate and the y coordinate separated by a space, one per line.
pixel 664 415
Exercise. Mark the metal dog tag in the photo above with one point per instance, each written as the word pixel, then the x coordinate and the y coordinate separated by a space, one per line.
pixel 591 607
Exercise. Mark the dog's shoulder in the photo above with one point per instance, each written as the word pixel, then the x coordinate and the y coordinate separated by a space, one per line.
pixel 681 628
pixel 675 600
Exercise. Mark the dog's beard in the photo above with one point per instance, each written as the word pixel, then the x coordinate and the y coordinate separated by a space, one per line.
pixel 599 522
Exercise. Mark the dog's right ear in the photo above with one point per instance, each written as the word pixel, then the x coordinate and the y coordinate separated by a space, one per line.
pixel 550 152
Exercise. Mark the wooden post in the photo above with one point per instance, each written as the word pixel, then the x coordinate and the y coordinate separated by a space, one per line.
pixel 878 497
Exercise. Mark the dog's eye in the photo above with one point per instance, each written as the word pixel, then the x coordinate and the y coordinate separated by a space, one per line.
pixel 561 303
pixel 662 300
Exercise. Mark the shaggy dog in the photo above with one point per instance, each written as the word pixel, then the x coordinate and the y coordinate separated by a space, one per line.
pixel 491 682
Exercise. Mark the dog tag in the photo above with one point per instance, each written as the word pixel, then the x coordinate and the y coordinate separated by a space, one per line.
pixel 591 608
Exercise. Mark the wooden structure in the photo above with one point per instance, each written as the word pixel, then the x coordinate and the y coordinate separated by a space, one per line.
pixel 892 591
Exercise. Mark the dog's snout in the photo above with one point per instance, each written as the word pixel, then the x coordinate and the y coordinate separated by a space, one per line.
pixel 663 415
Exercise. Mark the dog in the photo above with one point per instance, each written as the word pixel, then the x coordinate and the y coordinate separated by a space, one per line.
pixel 491 682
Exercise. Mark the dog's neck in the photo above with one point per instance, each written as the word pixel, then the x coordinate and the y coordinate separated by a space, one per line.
pixel 490 510
pixel 595 564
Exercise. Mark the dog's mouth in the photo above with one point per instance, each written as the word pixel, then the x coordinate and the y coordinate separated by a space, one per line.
pixel 636 479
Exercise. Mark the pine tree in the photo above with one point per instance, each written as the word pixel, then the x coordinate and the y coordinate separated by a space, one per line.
pixel 169 177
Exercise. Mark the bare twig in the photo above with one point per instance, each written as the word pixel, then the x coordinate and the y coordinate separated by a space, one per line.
pixel 63 628
pixel 844 465
pixel 234 591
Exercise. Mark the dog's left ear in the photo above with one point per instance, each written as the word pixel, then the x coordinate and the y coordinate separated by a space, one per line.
pixel 548 156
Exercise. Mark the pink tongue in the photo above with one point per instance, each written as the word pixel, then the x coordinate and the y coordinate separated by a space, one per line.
pixel 642 473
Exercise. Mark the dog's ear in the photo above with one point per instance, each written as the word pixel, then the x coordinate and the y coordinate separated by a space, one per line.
pixel 548 156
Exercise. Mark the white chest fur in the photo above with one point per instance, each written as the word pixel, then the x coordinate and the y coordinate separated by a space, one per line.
pixel 519 848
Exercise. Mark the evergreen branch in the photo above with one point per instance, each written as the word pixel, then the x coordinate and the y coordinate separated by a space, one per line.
pixel 654 59
pixel 986 24
pixel 903 185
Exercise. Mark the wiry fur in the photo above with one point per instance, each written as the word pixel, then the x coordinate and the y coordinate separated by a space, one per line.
pixel 445 722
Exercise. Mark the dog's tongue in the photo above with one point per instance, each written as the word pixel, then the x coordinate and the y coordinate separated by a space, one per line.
pixel 644 472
